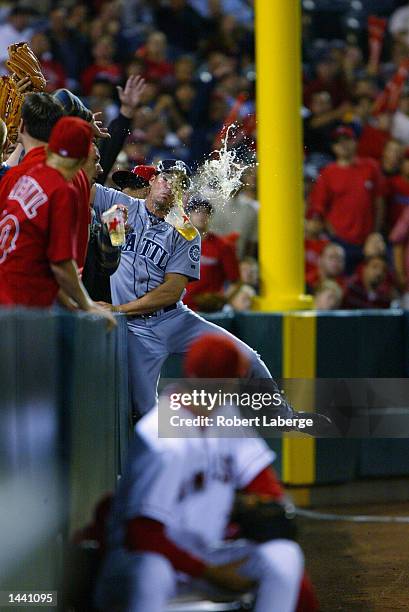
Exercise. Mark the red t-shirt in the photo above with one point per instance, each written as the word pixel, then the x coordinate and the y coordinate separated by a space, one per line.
pixel 82 189
pixel 36 228
pixel 344 196
pixel 218 264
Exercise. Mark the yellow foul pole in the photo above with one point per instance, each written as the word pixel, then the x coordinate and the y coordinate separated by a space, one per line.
pixel 279 144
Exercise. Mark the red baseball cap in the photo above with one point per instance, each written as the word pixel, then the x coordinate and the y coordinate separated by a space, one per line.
pixel 71 137
pixel 215 356
pixel 136 178
pixel 343 131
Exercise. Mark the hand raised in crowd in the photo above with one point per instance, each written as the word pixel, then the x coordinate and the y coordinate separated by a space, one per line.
pixel 98 127
pixel 130 95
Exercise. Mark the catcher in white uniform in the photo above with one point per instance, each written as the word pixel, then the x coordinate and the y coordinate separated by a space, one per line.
pixel 167 527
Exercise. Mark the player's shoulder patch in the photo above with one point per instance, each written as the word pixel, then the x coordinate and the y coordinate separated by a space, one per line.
pixel 194 253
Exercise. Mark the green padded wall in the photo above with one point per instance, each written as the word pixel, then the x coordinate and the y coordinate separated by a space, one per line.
pixel 360 344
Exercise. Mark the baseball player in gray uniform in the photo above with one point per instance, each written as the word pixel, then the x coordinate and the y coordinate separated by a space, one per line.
pixel 156 264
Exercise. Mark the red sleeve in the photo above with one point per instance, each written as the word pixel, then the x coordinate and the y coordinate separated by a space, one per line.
pixel 230 263
pixel 63 219
pixel 319 197
pixel 265 483
pixel 148 535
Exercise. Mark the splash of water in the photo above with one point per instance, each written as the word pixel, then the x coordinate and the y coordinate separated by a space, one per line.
pixel 219 177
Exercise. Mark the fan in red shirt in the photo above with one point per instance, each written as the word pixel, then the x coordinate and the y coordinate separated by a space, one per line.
pixel 367 288
pixel 104 66
pixel 40 113
pixel 347 197
pixel 218 263
pixel 153 53
pixel 37 226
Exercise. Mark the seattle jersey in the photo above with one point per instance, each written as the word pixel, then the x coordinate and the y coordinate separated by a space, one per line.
pixel 153 249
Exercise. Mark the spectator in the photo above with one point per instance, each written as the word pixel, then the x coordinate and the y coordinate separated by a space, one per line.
pixel 327 78
pixel 366 289
pixel 218 263
pixel 249 272
pixel 347 197
pixel 399 25
pixel 68 46
pixel 240 298
pixel 239 216
pixel 229 36
pixel 184 69
pixel 53 71
pixel 375 246
pixel 16 28
pixel 101 99
pixel 154 55
pixel 103 67
pixel 391 157
pixel 331 266
pixel 319 125
pixel 328 296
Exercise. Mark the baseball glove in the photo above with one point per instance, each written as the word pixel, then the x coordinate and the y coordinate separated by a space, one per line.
pixel 262 519
pixel 22 62
pixel 11 101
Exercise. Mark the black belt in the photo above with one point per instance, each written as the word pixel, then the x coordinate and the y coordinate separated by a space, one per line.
pixel 148 315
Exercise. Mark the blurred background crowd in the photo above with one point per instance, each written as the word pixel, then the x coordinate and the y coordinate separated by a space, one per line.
pixel 197 58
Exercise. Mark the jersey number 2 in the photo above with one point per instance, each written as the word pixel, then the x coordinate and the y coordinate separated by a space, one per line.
pixel 9 231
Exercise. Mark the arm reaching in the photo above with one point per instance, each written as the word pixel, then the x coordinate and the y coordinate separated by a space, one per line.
pixel 66 275
pixel 166 294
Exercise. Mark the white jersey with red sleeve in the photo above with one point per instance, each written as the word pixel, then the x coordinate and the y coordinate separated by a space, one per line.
pixel 178 480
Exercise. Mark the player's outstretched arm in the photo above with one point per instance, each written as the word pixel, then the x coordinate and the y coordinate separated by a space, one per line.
pixel 66 275
pixel 166 294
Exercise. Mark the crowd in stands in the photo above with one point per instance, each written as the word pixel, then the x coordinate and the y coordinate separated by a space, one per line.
pixel 197 58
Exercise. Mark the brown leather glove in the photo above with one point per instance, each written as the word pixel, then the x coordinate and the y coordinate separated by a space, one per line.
pixel 22 62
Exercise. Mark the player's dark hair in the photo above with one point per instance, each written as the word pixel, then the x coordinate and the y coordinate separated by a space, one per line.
pixel 40 112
